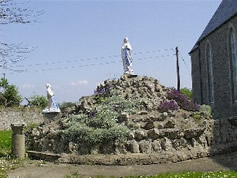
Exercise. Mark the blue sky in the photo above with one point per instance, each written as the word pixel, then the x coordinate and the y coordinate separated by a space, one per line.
pixel 72 34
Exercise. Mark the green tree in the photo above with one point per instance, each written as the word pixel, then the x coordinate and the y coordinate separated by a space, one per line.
pixel 187 92
pixel 39 101
pixel 9 95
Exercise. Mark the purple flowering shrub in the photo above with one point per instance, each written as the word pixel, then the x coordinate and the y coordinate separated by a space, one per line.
pixel 183 101
pixel 168 105
pixel 103 90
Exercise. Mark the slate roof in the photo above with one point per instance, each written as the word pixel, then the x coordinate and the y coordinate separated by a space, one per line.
pixel 226 10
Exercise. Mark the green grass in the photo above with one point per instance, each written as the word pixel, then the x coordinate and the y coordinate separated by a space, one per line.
pixel 5 142
pixel 5 150
pixel 226 174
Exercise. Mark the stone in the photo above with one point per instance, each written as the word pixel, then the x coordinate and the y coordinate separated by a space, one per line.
pixel 140 135
pixel 166 144
pixel 71 147
pixel 172 133
pixel 145 146
pixel 164 115
pixel 153 134
pixel 142 112
pixel 18 140
pixel 123 117
pixel 170 124
pixel 194 132
pixel 149 125
pixel 156 146
pixel 131 136
pixel 133 146
pixel 160 126
pixel 194 142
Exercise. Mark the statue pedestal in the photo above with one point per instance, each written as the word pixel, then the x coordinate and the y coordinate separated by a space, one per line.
pixel 51 116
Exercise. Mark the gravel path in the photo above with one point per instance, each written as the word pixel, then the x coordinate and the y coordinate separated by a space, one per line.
pixel 39 169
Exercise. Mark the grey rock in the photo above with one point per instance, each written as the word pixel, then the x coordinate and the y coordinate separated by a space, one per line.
pixel 160 126
pixel 143 113
pixel 145 146
pixel 131 136
pixel 164 115
pixel 166 144
pixel 156 146
pixel 153 134
pixel 133 146
pixel 170 124
pixel 149 125
pixel 140 135
pixel 193 132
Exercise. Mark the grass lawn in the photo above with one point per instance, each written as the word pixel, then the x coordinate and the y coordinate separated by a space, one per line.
pixel 226 174
pixel 5 142
pixel 5 150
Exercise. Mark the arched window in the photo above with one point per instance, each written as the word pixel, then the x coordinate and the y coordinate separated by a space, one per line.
pixel 210 72
pixel 233 55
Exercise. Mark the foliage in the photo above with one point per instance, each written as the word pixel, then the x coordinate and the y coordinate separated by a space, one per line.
pixel 91 132
pixel 196 116
pixel 65 105
pixel 100 124
pixel 187 92
pixel 206 109
pixel 39 101
pixel 168 105
pixel 5 142
pixel 183 101
pixel 10 95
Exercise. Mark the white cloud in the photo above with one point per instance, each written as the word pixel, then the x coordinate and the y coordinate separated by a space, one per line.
pixel 27 86
pixel 79 83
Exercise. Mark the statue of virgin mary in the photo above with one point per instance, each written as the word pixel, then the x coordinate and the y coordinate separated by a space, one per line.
pixel 52 104
pixel 126 53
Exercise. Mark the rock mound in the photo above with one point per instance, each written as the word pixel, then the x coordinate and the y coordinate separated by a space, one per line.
pixel 131 115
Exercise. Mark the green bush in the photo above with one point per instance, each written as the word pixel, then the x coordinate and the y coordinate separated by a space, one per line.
pixel 39 101
pixel 100 124
pixel 10 95
pixel 187 92
pixel 65 105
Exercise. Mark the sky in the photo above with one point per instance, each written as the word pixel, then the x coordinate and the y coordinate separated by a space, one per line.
pixel 77 43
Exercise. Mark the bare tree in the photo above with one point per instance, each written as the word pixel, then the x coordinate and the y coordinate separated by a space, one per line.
pixel 12 12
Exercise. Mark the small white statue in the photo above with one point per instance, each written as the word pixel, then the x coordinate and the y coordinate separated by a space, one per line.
pixel 126 52
pixel 52 105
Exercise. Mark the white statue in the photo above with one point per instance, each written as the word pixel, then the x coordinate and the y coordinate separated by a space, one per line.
pixel 126 52
pixel 52 105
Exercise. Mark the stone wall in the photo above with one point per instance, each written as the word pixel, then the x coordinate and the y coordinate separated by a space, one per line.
pixel 223 101
pixel 157 141
pixel 28 116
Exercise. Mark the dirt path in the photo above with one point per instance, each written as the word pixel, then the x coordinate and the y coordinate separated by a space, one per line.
pixel 39 169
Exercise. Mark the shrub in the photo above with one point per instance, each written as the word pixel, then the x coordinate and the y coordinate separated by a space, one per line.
pixel 187 93
pixel 206 109
pixel 168 105
pixel 183 101
pixel 92 131
pixel 39 101
pixel 10 95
